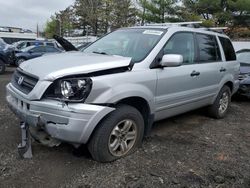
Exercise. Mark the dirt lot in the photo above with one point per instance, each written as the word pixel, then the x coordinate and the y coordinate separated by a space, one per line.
pixel 190 150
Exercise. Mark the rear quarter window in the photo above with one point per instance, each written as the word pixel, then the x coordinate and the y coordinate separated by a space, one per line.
pixel 228 49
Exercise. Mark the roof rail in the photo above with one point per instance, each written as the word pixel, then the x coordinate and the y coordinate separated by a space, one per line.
pixel 185 24
pixel 215 29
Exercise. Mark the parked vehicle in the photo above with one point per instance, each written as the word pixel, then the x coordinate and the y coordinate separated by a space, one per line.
pixel 33 52
pixel 24 44
pixel 109 95
pixel 11 37
pixel 243 56
pixel 7 55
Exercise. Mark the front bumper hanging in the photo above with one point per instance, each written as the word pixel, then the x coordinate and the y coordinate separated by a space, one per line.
pixel 24 148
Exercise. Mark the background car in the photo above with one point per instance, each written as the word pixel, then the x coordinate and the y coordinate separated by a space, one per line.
pixel 24 44
pixel 243 56
pixel 33 52
pixel 7 55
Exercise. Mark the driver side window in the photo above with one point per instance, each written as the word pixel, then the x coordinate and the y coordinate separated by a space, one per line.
pixel 181 44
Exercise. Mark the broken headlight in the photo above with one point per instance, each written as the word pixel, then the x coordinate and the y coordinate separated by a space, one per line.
pixel 70 90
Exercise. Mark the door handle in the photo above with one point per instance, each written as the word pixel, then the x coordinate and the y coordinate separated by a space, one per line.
pixel 195 73
pixel 222 69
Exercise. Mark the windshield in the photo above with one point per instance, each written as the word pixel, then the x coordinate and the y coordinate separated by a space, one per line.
pixel 244 57
pixel 134 43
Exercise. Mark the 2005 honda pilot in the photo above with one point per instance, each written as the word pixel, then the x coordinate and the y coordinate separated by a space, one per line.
pixel 109 95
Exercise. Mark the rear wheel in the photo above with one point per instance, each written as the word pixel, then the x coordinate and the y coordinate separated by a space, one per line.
pixel 118 135
pixel 220 107
pixel 2 67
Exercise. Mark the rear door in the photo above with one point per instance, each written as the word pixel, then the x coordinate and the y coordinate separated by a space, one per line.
pixel 210 66
pixel 230 64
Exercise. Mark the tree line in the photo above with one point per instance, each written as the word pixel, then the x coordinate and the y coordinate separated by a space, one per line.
pixel 97 17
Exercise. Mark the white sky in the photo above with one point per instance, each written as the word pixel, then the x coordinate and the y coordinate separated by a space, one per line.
pixel 28 13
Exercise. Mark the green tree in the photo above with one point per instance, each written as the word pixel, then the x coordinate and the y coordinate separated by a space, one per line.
pixel 124 14
pixel 88 13
pixel 157 11
pixel 66 21
pixel 104 15
pixel 51 27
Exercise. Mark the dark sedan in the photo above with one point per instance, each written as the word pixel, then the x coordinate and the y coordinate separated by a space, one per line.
pixel 7 55
pixel 243 57
pixel 33 52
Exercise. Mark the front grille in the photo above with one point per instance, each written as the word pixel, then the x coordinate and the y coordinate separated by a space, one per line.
pixel 23 81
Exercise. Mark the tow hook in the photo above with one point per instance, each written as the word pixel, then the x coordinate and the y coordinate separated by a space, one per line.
pixel 24 148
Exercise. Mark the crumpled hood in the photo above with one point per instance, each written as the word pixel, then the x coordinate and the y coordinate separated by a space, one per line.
pixel 55 66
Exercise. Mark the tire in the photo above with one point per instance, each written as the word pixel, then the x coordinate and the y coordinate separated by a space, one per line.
pixel 19 61
pixel 108 141
pixel 2 67
pixel 221 105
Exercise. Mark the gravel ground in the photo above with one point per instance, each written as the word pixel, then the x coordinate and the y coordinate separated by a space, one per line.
pixel 190 150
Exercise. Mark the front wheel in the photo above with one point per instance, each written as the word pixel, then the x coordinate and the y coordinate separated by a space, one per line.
pixel 118 135
pixel 221 105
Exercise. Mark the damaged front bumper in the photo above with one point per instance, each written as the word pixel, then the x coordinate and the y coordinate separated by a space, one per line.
pixel 72 122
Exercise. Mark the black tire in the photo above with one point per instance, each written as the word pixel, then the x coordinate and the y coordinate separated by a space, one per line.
pixel 99 144
pixel 214 110
pixel 2 67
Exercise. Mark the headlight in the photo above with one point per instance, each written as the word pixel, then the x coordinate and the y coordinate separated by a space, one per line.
pixel 70 89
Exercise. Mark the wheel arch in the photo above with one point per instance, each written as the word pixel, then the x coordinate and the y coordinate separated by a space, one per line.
pixel 230 85
pixel 143 107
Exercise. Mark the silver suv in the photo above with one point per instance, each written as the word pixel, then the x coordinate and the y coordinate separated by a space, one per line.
pixel 109 95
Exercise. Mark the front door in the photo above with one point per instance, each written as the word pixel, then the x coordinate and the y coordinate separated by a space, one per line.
pixel 177 86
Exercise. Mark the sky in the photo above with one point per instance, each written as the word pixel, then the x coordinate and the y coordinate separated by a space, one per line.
pixel 28 13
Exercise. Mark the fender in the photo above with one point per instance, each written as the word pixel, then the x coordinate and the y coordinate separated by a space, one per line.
pixel 225 79
pixel 114 95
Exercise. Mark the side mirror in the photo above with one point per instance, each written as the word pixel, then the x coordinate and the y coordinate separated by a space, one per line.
pixel 171 60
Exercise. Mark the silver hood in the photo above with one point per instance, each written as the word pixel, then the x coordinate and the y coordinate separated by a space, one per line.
pixel 51 67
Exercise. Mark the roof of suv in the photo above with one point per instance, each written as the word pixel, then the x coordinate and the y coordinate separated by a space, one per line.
pixel 185 26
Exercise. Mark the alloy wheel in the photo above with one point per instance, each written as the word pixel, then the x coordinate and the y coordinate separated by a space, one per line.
pixel 122 138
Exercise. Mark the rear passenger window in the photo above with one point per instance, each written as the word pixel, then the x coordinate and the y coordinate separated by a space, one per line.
pixel 228 49
pixel 208 48
pixel 183 44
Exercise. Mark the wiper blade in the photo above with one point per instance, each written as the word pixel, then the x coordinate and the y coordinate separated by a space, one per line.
pixel 103 53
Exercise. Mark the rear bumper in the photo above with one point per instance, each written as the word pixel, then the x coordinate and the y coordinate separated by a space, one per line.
pixel 72 123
